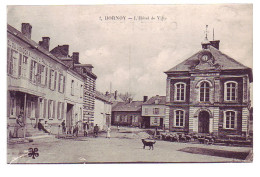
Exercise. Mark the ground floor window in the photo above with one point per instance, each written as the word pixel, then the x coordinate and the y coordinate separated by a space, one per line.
pixel 229 119
pixel 179 118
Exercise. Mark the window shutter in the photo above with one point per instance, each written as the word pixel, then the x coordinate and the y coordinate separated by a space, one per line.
pixel 58 111
pixel 54 105
pixel 63 84
pixel 59 82
pixel 46 76
pixel 49 108
pixel 236 91
pixel 55 80
pixel 31 70
pixel 62 111
pixel 224 120
pixel 20 65
pixel 8 60
pixel 44 108
pixel 50 79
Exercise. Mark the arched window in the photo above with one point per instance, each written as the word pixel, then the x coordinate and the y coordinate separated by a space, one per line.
pixel 230 91
pixel 204 92
pixel 179 118
pixel 180 91
pixel 229 119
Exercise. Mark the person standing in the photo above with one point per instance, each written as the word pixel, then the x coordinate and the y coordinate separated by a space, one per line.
pixel 85 129
pixel 96 130
pixel 63 126
pixel 76 130
pixel 108 132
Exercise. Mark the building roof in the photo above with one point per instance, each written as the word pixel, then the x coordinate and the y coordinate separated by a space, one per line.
pixel 32 43
pixel 224 61
pixel 161 100
pixel 102 97
pixel 129 107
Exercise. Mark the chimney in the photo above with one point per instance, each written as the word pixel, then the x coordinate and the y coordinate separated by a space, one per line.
pixel 65 49
pixel 26 30
pixel 145 98
pixel 116 95
pixel 215 44
pixel 75 57
pixel 45 43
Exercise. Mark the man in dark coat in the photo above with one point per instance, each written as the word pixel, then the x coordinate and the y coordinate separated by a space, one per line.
pixel 96 130
pixel 41 127
pixel 63 126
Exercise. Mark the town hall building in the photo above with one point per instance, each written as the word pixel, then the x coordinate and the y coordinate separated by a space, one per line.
pixel 209 93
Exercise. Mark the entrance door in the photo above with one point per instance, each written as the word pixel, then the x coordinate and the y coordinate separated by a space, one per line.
pixel 161 122
pixel 69 118
pixel 203 122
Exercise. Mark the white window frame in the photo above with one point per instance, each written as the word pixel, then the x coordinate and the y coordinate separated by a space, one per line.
pixel 225 120
pixel 175 113
pixel 175 92
pixel 225 91
pixel 117 118
pixel 15 63
pixel 204 91
pixel 146 111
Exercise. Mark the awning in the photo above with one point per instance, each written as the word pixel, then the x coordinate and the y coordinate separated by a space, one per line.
pixel 25 90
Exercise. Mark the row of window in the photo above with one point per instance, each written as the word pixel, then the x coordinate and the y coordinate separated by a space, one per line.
pixel 230 91
pixel 18 66
pixel 229 121
pixel 156 111
pixel 49 108
pixel 124 118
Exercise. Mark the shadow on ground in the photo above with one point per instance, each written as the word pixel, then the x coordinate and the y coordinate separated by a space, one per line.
pixel 216 152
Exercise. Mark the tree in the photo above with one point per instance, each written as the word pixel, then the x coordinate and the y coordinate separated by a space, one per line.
pixel 126 96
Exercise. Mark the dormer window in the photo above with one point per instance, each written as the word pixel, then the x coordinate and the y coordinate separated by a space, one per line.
pixel 180 91
pixel 230 91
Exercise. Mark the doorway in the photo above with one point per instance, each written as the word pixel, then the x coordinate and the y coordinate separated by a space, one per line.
pixel 203 122
pixel 69 118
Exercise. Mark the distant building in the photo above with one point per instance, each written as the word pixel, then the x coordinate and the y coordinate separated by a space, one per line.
pixel 127 113
pixel 103 108
pixel 209 93
pixel 89 85
pixel 153 112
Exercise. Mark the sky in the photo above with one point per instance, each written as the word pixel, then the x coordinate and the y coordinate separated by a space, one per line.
pixel 131 55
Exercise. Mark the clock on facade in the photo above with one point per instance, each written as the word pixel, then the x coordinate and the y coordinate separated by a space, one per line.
pixel 205 58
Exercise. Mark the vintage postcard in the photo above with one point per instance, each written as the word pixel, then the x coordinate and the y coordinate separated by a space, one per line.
pixel 129 84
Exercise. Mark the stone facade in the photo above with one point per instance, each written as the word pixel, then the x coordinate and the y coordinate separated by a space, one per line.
pixel 209 93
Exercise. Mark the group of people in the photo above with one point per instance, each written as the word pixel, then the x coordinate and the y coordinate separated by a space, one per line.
pixel 45 127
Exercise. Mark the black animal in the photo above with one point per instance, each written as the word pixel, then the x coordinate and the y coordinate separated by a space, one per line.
pixel 149 143
pixel 201 140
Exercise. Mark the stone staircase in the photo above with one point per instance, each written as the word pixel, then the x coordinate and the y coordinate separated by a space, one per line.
pixel 34 133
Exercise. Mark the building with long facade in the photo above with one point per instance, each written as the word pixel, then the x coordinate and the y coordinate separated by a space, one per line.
pixel 209 93
pixel 40 86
